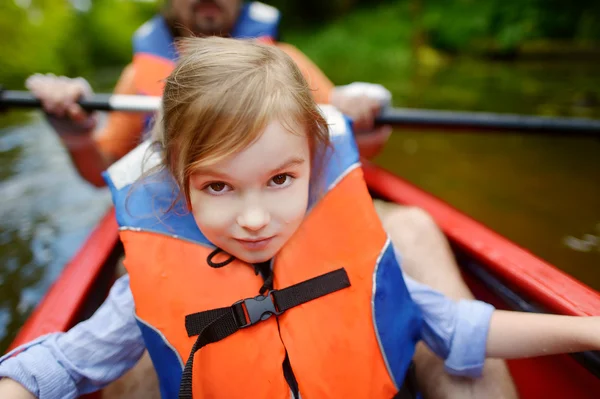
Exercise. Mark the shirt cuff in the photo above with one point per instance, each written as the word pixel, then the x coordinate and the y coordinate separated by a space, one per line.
pixel 38 371
pixel 468 345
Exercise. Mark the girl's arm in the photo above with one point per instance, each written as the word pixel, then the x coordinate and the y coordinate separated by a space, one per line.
pixel 84 359
pixel 11 389
pixel 455 331
pixel 518 334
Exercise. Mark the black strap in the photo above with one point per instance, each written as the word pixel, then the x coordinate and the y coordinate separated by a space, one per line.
pixel 264 268
pixel 214 253
pixel 308 290
pixel 220 328
pixel 289 376
pixel 195 323
pixel 217 324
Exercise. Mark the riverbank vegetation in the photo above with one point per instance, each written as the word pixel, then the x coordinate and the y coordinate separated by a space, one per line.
pixel 81 37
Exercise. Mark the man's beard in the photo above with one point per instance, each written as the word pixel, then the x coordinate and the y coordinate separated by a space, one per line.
pixel 207 26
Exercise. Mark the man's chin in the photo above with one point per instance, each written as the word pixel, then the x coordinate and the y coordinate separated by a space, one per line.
pixel 209 29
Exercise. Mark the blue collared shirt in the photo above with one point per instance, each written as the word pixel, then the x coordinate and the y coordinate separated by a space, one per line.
pixel 99 350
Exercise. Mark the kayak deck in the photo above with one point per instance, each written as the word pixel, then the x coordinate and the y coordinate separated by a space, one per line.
pixel 496 270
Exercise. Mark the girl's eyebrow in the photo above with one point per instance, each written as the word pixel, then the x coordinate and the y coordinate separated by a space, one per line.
pixel 294 161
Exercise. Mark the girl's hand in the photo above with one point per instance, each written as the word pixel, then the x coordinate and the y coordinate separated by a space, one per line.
pixel 519 334
pixel 10 389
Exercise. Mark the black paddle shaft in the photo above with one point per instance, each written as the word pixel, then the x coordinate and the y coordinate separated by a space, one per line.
pixel 24 99
pixel 400 117
pixel 451 120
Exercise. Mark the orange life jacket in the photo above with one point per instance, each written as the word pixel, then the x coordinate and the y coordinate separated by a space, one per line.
pixel 334 340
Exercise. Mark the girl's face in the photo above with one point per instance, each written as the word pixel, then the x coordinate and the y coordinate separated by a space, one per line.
pixel 251 203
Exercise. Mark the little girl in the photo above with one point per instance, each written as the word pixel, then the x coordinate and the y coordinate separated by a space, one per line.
pixel 257 264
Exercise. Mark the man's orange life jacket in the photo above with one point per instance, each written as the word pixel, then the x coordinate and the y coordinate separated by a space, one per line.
pixel 155 53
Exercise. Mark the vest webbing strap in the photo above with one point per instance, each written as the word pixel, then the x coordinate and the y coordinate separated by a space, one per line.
pixel 217 324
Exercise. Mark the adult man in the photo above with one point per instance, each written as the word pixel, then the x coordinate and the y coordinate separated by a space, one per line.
pixel 154 52
pixel 426 254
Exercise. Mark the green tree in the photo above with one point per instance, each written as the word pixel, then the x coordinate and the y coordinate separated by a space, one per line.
pixel 34 35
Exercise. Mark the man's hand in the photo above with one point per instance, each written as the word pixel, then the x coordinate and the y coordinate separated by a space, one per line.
pixel 371 143
pixel 59 95
pixel 362 102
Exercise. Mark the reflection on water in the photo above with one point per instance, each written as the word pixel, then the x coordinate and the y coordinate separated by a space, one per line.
pixel 543 193
pixel 587 243
pixel 46 213
pixel 536 191
pixel 563 88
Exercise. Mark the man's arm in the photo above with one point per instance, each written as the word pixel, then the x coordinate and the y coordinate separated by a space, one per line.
pixel 123 130
pixel 117 137
pixel 82 360
pixel 91 151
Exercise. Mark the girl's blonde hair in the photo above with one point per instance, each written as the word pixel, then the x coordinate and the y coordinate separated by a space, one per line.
pixel 222 95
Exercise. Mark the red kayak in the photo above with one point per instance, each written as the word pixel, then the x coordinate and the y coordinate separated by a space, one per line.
pixel 497 270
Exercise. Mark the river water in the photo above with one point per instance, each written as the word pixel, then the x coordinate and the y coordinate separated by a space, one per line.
pixel 541 192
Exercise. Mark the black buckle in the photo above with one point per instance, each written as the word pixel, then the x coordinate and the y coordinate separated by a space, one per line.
pixel 258 309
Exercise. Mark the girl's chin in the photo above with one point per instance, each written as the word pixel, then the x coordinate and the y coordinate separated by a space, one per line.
pixel 255 257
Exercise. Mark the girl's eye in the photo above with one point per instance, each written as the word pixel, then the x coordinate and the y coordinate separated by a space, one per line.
pixel 281 180
pixel 217 188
